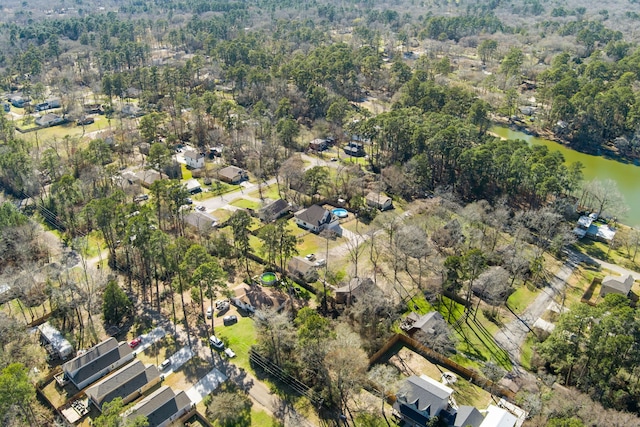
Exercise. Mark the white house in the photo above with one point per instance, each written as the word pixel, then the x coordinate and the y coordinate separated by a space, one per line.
pixel 194 158
pixel 316 219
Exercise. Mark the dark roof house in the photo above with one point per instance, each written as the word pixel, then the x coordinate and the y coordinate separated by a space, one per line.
pixel 274 210
pixel 162 407
pixel 316 219
pixel 620 285
pixel 355 149
pixel 420 399
pixel 97 362
pixel 127 383
pixel 202 221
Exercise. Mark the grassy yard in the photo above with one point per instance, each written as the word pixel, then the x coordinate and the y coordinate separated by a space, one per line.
pixel 268 192
pixel 239 337
pixel 186 173
pixel 522 297
pixel 475 337
pixel 526 352
pixel 221 215
pixel 603 251
pixel 246 204
pixel 260 418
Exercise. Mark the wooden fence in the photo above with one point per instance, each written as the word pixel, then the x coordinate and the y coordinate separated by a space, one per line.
pixel 437 358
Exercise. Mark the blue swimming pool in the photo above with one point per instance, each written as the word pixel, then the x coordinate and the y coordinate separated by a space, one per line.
pixel 340 213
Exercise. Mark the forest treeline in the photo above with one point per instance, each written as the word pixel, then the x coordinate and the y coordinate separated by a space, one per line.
pixel 259 80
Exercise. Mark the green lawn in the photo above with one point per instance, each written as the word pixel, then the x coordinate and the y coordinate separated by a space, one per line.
pixel 262 419
pixel 475 337
pixel 522 297
pixel 268 192
pixel 218 187
pixel 221 215
pixel 246 204
pixel 239 337
pixel 186 173
pixel 526 352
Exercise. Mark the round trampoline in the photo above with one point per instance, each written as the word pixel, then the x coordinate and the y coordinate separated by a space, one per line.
pixel 268 278
pixel 340 213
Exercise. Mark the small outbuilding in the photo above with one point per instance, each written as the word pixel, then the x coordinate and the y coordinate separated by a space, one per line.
pixel 378 200
pixel 56 343
pixel 351 291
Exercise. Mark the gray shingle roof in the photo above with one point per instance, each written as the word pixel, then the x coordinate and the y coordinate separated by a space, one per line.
pixel 123 383
pixel 161 405
pixel 314 215
pixel 468 416
pixel 95 360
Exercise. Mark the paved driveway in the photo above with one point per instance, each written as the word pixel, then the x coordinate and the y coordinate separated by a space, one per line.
pixel 148 339
pixel 206 385
pixel 178 359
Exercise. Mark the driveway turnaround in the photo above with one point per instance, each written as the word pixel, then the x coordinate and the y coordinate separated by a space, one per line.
pixel 148 339
pixel 206 385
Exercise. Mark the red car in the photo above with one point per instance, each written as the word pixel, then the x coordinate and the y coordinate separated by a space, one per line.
pixel 134 342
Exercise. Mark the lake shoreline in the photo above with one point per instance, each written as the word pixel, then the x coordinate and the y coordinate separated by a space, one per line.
pixel 603 151
pixel 625 175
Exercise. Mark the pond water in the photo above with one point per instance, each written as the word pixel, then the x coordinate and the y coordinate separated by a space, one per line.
pixel 626 175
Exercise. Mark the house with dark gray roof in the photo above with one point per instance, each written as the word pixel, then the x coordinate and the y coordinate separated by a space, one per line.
pixel 316 218
pixel 420 399
pixel 97 362
pixel 468 416
pixel 161 407
pixel 127 383
pixel 274 210
pixel 202 221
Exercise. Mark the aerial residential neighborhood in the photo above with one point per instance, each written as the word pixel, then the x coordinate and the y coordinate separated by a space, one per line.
pixel 270 214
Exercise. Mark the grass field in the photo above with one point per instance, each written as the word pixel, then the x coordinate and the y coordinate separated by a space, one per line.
pixel 262 419
pixel 239 337
pixel 246 204
pixel 522 297
pixel 475 337
pixel 268 192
